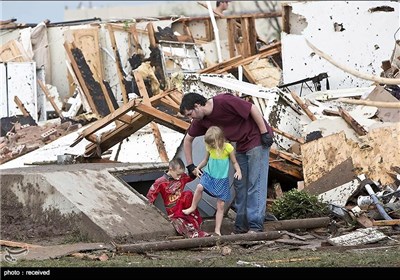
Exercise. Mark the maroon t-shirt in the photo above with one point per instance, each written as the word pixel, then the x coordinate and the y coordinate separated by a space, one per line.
pixel 232 114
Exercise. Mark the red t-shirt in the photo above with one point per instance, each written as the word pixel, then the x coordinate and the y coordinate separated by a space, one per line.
pixel 232 114
pixel 170 190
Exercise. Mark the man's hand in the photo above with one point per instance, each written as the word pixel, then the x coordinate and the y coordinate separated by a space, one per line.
pixel 267 140
pixel 191 168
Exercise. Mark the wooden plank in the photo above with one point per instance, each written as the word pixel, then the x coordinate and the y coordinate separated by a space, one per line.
pixel 152 37
pixel 221 65
pixel 381 104
pixel 118 63
pixel 17 244
pixel 68 48
pixel 88 41
pixel 99 124
pixel 303 106
pixel 289 136
pixel 352 122
pixel 159 142
pixel 245 36
pixel 156 131
pixel 110 138
pixel 271 50
pixel 163 118
pixel 231 36
pixel 50 98
pixel 386 222
pixel 289 157
pixel 21 106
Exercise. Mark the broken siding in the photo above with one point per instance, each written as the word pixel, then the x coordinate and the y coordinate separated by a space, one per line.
pixel 345 30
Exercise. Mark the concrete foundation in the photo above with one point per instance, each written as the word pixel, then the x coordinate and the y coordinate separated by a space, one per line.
pixel 89 201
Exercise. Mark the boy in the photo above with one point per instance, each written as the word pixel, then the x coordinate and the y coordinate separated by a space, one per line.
pixel 171 186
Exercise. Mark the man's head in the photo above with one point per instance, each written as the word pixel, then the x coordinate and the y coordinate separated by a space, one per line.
pixel 176 168
pixel 224 3
pixel 190 105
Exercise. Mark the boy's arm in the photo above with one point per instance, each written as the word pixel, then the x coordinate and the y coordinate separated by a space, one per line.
pixel 153 192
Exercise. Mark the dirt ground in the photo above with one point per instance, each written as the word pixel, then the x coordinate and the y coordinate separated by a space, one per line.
pixel 300 248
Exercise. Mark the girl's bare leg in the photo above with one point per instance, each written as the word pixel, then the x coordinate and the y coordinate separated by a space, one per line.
pixel 196 199
pixel 219 216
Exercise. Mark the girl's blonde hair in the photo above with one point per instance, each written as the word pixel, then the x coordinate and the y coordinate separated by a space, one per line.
pixel 214 138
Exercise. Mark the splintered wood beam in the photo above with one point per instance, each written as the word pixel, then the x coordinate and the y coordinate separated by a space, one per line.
pixel 21 106
pixel 117 114
pixel 68 48
pixel 110 138
pixel 159 142
pixel 286 156
pixel 171 105
pixel 289 136
pixel 163 118
pixel 303 106
pixel 118 63
pixel 352 122
pixel 380 104
pixel 141 87
pixel 156 131
pixel 50 98
pixel 152 37
pixel 221 65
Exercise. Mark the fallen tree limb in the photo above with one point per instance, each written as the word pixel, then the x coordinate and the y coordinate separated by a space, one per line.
pixel 196 242
pixel 379 80
pixel 297 224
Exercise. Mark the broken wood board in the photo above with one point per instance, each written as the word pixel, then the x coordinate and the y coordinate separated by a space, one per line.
pixel 339 175
pixel 358 237
pixel 385 114
pixel 339 195
pixel 377 153
pixel 57 251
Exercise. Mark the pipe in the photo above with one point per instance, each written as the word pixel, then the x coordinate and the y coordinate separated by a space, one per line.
pixel 377 202
pixel 216 32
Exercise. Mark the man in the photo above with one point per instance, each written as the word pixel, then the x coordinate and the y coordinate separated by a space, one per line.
pixel 221 6
pixel 242 123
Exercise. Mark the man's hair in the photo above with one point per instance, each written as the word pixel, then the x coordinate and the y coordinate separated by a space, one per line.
pixel 219 3
pixel 189 100
pixel 176 163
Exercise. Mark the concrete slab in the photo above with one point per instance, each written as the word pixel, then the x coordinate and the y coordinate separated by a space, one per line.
pixel 86 201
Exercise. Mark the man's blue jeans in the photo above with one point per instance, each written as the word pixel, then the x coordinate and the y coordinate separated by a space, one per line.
pixel 251 190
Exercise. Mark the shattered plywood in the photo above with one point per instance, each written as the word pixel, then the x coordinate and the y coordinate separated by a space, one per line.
pixel 374 157
pixel 385 114
pixel 339 195
pixel 339 175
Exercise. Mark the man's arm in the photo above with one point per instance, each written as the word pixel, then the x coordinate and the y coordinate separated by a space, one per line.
pixel 258 118
pixel 187 148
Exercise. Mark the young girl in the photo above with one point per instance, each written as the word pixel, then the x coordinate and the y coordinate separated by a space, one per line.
pixel 214 180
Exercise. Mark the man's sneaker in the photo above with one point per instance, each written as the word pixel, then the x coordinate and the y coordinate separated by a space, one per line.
pixel 270 217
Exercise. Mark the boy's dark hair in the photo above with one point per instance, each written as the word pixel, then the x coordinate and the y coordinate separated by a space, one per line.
pixel 189 100
pixel 176 163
